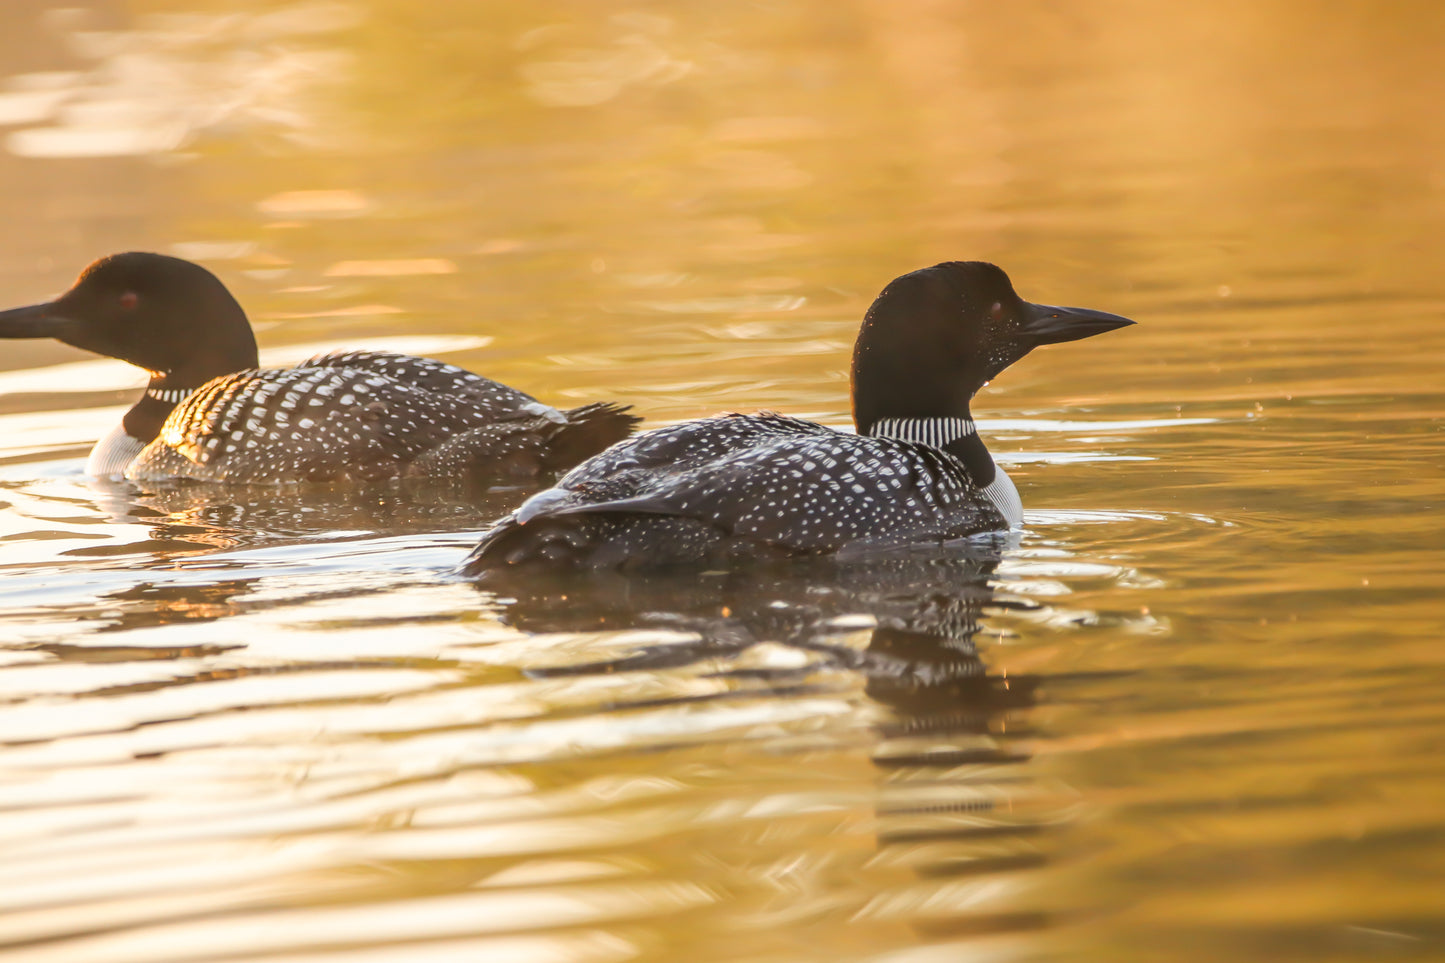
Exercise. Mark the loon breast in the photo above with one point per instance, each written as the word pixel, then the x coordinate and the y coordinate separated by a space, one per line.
pixel 362 416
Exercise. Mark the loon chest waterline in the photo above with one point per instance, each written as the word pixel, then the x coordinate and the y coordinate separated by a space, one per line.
pixel 741 488
pixel 945 433
pixel 210 414
pixel 112 454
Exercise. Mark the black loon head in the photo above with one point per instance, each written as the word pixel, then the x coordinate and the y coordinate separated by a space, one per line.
pixel 173 318
pixel 934 337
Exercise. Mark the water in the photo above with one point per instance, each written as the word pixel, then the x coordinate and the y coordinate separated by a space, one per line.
pixel 1191 713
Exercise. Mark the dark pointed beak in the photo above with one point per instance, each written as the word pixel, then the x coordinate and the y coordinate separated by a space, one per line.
pixel 35 321
pixel 1047 324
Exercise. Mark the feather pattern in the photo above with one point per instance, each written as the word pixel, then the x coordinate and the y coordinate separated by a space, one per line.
pixel 362 416
pixel 780 485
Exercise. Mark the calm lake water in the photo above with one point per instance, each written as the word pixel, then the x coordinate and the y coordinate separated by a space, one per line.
pixel 1192 713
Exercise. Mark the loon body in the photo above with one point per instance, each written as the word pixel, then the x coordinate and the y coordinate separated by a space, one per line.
pixel 209 414
pixel 738 487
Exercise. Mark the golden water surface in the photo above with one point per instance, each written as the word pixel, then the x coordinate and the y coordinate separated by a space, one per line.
pixel 1192 713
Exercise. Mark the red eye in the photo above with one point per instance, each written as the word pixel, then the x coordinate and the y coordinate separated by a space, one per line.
pixel 128 300
pixel 996 312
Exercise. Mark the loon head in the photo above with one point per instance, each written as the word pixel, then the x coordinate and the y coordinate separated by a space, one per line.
pixel 173 318
pixel 935 336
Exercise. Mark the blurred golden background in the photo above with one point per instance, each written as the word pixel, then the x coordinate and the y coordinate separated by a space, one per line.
pixel 1193 714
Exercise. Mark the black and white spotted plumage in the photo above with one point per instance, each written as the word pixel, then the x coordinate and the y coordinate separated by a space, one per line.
pixel 767 486
pixel 352 416
pixel 761 484
pixel 435 377
pixel 742 487
pixel 356 417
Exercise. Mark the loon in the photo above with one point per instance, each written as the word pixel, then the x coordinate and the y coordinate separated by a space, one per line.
pixel 737 488
pixel 209 414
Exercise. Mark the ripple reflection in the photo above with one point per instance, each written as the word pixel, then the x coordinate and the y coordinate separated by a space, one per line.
pixel 959 819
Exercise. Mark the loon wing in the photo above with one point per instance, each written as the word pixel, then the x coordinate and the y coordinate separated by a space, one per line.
pixel 813 490
pixel 315 423
pixel 436 377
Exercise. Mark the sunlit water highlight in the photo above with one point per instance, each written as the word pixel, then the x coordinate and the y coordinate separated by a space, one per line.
pixel 1190 713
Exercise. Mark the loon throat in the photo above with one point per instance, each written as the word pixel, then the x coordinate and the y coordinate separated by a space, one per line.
pixel 171 396
pixel 937 432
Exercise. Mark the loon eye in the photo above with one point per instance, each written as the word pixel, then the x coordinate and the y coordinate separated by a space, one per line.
pixel 996 312
pixel 128 301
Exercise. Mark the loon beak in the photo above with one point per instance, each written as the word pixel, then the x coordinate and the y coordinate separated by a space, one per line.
pixel 34 321
pixel 1047 324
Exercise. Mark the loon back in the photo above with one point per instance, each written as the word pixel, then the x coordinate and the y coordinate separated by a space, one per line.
pixel 366 417
pixel 748 487
pixel 741 486
pixel 209 414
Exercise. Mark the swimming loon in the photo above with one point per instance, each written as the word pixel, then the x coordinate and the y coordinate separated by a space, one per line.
pixel 208 414
pixel 745 487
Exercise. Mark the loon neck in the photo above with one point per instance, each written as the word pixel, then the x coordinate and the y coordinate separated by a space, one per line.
pixel 958 436
pixel 144 419
pixel 163 392
pixel 936 432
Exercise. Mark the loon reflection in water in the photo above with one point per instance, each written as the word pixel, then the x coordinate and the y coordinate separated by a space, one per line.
pixel 925 613
pixel 208 414
pixel 956 798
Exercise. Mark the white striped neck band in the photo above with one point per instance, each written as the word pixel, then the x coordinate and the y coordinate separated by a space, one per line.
pixel 171 396
pixel 924 431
